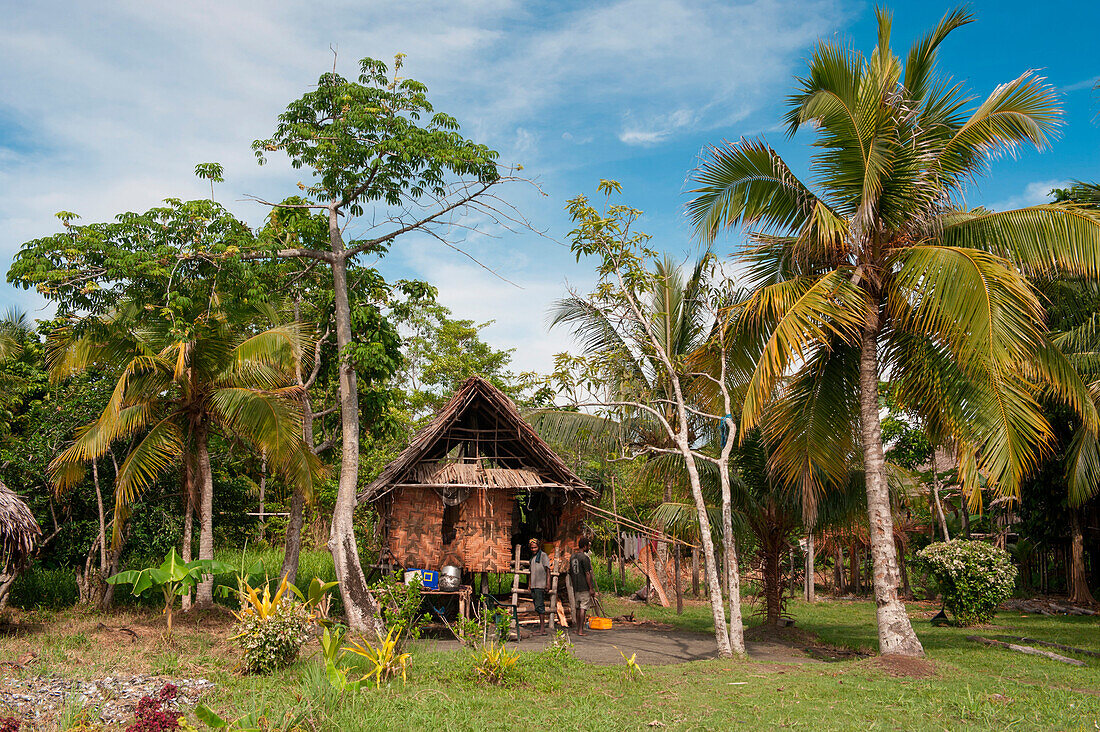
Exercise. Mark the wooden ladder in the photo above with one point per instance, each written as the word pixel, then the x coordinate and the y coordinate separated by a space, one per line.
pixel 523 567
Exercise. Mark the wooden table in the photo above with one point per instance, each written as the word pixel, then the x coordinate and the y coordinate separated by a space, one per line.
pixel 464 593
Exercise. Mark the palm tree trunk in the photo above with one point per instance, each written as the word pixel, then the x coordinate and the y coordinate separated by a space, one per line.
pixel 733 572
pixel 1079 579
pixel 838 572
pixel 676 571
pixel 895 632
pixel 773 581
pixel 717 604
pixel 293 542
pixel 204 593
pixel 361 609
pixel 695 572
pixel 188 518
pixel 809 589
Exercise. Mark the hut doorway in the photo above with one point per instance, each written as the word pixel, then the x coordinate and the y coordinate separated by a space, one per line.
pixel 537 517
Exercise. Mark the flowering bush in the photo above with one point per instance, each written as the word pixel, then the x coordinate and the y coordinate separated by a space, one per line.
pixel 271 630
pixel 974 577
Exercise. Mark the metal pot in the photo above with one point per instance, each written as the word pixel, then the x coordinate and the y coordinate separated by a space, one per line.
pixel 451 571
pixel 450 578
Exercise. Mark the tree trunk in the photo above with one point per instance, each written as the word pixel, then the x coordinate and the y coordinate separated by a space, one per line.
pixel 1079 580
pixel 204 593
pixel 293 542
pixel 263 495
pixel 729 542
pixel 964 507
pixel 717 605
pixel 838 572
pixel 906 590
pixel 809 591
pixel 676 571
pixel 773 582
pixel 188 487
pixel 939 505
pixel 895 632
pixel 361 609
pixel 694 572
pixel 854 583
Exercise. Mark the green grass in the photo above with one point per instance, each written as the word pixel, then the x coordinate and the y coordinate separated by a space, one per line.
pixel 975 687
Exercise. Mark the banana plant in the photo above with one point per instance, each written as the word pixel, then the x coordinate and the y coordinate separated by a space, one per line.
pixel 173 577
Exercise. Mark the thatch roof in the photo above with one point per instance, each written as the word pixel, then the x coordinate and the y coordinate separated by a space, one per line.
pixel 478 440
pixel 18 529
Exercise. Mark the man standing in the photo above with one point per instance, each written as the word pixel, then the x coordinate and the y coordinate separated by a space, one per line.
pixel 584 586
pixel 539 582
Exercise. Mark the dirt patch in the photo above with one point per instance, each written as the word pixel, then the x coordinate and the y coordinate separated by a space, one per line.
pixel 901 667
pixel 805 642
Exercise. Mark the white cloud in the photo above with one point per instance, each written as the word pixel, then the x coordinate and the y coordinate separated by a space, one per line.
pixel 108 107
pixel 518 314
pixel 1033 194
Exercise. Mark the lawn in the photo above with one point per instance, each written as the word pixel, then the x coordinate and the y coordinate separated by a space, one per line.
pixel 974 687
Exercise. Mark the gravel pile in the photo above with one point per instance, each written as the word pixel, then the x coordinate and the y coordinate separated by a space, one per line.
pixel 111 700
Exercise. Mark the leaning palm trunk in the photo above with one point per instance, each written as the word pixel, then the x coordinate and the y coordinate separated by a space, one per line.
pixel 895 632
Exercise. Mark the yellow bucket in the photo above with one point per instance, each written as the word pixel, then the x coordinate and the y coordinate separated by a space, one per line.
pixel 599 623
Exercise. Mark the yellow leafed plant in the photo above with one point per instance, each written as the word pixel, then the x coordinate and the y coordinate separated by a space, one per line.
pixel 494 663
pixel 385 659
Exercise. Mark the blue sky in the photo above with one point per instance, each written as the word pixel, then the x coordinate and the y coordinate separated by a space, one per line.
pixel 106 107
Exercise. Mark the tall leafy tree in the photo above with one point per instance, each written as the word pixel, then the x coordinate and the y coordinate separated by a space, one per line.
pixel 637 328
pixel 175 388
pixel 880 268
pixel 374 144
pixel 163 297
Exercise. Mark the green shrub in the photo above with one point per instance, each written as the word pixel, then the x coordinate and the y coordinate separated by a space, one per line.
pixel 494 663
pixel 271 628
pixel 40 587
pixel 974 577
pixel 400 604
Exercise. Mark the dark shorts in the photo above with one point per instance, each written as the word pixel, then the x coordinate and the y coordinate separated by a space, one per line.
pixel 538 594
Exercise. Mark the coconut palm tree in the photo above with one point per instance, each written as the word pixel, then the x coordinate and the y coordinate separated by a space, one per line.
pixel 882 269
pixel 176 387
pixel 678 320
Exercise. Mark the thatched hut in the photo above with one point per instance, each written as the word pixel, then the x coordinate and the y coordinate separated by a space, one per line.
pixel 474 483
pixel 18 532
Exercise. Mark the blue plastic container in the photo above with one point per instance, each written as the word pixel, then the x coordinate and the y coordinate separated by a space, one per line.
pixel 429 578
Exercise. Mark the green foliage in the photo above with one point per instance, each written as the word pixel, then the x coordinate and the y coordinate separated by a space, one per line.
pixel 400 603
pixel 43 587
pixel 174 578
pixel 494 663
pixel 973 576
pixel 271 628
pixel 440 352
pixel 366 140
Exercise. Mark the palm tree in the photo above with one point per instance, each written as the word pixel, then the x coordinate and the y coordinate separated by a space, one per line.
pixel 678 320
pixel 176 387
pixel 883 270
pixel 641 356
pixel 14 329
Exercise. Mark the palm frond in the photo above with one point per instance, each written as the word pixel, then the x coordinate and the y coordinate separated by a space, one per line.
pixel 1045 240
